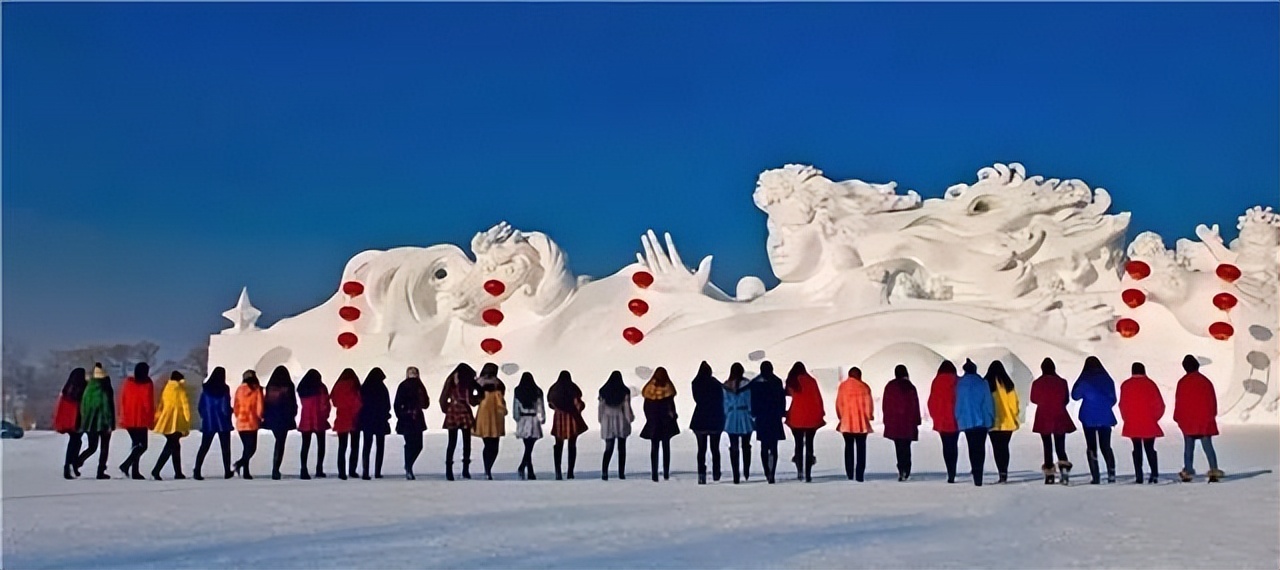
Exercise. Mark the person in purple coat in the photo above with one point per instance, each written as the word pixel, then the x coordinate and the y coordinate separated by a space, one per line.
pixel 901 412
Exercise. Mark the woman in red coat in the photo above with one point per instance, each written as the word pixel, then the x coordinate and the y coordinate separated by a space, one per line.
pixel 1141 407
pixel 1195 408
pixel 66 419
pixel 901 411
pixel 804 417
pixel 137 415
pixel 314 419
pixel 1050 395
pixel 942 409
pixel 345 398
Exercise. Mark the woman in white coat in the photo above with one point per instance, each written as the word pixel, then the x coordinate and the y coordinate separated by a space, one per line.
pixel 530 412
pixel 615 422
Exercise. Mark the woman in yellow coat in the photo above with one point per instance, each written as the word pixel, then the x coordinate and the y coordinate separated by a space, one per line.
pixel 1007 410
pixel 491 415
pixel 173 421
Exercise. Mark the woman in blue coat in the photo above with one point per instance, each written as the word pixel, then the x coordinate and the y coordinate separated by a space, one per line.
pixel 1097 394
pixel 737 421
pixel 215 419
pixel 975 414
pixel 768 408
pixel 708 420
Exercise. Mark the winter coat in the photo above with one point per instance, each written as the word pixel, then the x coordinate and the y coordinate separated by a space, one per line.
pixel 529 420
pixel 660 419
pixel 975 408
pixel 411 399
pixel 737 410
pixel 174 414
pixel 1141 407
pixel 855 407
pixel 280 408
pixel 942 403
pixel 345 399
pixel 768 408
pixel 1097 393
pixel 66 415
pixel 248 408
pixel 708 405
pixel 315 412
pixel 215 411
pixel 491 414
pixel 1050 396
pixel 375 408
pixel 806 411
pixel 901 410
pixel 97 407
pixel 137 404
pixel 1006 408
pixel 1195 406
pixel 566 421
pixel 615 421
pixel 455 402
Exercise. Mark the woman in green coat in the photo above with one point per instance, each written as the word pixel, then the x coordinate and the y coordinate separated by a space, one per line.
pixel 98 417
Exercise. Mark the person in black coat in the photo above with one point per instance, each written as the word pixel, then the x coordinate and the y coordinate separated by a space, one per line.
pixel 768 409
pixel 708 420
pixel 660 419
pixel 279 413
pixel 375 413
pixel 411 400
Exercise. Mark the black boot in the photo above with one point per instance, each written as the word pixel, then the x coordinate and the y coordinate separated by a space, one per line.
pixel 466 469
pixel 66 472
pixel 304 474
pixel 448 471
pixel 102 473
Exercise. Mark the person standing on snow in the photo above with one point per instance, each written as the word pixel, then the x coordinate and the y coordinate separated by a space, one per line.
pixel 97 418
pixel 345 400
pixel 975 414
pixel 1097 392
pixel 314 421
pixel 248 408
pixel 901 411
pixel 737 421
pixel 137 415
pixel 215 420
pixel 173 421
pixel 375 421
pixel 66 420
pixel 279 413
pixel 707 422
pixel 659 420
pixel 1007 409
pixel 615 417
pixel 565 399
pixel 942 410
pixel 411 400
pixel 1195 409
pixel 805 416
pixel 529 410
pixel 855 410
pixel 768 408
pixel 1050 395
pixel 491 415
pixel 1141 407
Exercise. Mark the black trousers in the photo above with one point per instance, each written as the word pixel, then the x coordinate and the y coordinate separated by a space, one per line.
pixel 1051 443
pixel 855 455
pixel 526 462
pixel 804 457
pixel 206 441
pixel 665 443
pixel 1000 451
pixel 489 454
pixel 370 439
pixel 769 459
pixel 412 449
pixel 94 438
pixel 306 450
pixel 72 458
pixel 740 453
pixel 714 439
pixel 573 454
pixel 902 448
pixel 348 463
pixel 277 458
pixel 172 450
pixel 976 439
pixel 1149 445
pixel 453 443
pixel 609 444
pixel 138 439
pixel 1095 439
pixel 249 446
pixel 950 452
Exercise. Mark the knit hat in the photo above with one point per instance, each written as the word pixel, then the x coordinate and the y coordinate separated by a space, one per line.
pixel 98 372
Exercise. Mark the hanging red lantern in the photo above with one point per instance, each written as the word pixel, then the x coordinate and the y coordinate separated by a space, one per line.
pixel 494 287
pixel 638 307
pixel 1228 272
pixel 1133 297
pixel 349 313
pixel 642 279
pixel 1137 269
pixel 492 316
pixel 347 339
pixel 1127 327
pixel 1224 301
pixel 490 345
pixel 632 335
pixel 353 288
pixel 1221 330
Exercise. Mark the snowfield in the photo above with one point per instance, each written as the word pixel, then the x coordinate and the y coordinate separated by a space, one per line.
pixel 831 523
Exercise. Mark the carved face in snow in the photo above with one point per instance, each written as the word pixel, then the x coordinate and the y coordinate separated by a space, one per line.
pixel 795 251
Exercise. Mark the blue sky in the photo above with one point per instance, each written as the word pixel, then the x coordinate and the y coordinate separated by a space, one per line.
pixel 156 157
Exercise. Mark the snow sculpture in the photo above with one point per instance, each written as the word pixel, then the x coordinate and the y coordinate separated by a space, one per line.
pixel 1009 267
pixel 243 316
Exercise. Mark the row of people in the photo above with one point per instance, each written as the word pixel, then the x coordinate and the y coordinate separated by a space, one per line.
pixel 982 407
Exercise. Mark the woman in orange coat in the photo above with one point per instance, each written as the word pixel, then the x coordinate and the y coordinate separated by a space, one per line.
pixel 855 409
pixel 804 417
pixel 137 415
pixel 248 411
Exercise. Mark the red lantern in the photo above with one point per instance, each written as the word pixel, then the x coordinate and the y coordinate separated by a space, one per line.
pixel 1221 330
pixel 492 316
pixel 1133 297
pixel 642 279
pixel 1127 327
pixel 494 287
pixel 347 339
pixel 349 313
pixel 1228 272
pixel 632 335
pixel 638 307
pixel 490 345
pixel 353 288
pixel 1137 269
pixel 1224 301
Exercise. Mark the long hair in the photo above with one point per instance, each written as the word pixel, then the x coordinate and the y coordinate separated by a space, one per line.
pixel 1048 368
pixel 142 372
pixel 375 376
pixel 463 377
pixel 737 375
pixel 489 369
pixel 310 383
pixel 1092 366
pixel 997 375
pixel 280 377
pixel 216 385
pixel 793 377
pixel 947 367
pixel 348 375
pixel 73 390
pixel 527 391
pixel 614 392
pixel 562 394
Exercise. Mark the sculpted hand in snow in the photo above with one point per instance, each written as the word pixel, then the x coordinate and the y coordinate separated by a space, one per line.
pixel 669 272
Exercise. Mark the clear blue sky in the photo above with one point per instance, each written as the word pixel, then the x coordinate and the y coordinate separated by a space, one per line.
pixel 159 156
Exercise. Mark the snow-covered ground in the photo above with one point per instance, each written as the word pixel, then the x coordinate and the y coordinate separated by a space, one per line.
pixel 393 523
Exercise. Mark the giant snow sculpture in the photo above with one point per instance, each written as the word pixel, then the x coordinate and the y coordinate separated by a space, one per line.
pixel 1009 267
